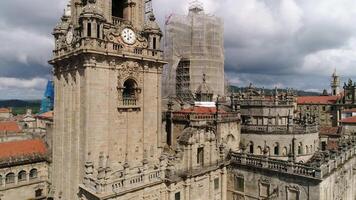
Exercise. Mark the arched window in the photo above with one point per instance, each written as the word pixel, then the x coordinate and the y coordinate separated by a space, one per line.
pixel 129 93
pixel 10 178
pixel 306 149
pixel 1 183
pixel 33 173
pixel 22 176
pixel 251 148
pixel 300 148
pixel 276 149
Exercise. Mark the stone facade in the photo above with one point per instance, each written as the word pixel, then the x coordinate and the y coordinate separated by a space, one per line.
pixel 326 176
pixel 111 140
pixel 270 126
pixel 23 170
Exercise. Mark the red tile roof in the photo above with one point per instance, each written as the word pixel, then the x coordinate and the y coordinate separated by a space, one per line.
pixel 46 115
pixel 349 110
pixel 9 126
pixel 5 110
pixel 330 131
pixel 22 148
pixel 201 110
pixel 317 99
pixel 350 120
pixel 332 145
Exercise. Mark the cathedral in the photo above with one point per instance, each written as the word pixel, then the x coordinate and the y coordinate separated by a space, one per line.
pixel 114 138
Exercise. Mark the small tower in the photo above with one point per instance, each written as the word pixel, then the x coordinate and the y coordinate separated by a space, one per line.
pixel 204 92
pixel 335 84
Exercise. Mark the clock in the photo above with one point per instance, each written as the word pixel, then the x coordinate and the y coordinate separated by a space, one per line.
pixel 69 37
pixel 128 36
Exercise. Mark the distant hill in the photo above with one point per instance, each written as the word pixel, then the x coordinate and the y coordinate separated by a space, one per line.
pixel 271 91
pixel 20 106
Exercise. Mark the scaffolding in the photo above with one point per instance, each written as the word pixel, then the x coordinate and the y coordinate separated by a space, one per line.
pixel 194 46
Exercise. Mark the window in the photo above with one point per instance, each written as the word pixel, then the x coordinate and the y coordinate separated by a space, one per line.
pixel 118 8
pixel 177 196
pixel 33 173
pixel 22 176
pixel 300 148
pixel 200 156
pixel 323 146
pixel 89 30
pixel 38 193
pixel 264 190
pixel 276 149
pixel 1 180
pixel 98 30
pixel 216 183
pixel 154 43
pixel 251 147
pixel 239 184
pixel 10 178
pixel 293 195
pixel 129 93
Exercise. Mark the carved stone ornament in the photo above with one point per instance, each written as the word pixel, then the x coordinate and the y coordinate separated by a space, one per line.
pixel 265 180
pixel 130 69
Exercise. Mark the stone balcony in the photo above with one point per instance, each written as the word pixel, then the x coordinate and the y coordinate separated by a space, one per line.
pixel 280 129
pixel 96 45
pixel 196 117
pixel 317 169
pixel 263 102
pixel 108 186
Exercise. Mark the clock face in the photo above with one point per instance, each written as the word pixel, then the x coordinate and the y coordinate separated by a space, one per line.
pixel 128 36
pixel 69 37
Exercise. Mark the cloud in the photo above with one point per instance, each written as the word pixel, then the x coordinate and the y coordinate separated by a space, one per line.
pixel 290 43
pixel 22 88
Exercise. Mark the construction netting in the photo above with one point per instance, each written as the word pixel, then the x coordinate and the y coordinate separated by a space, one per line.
pixel 194 45
pixel 47 102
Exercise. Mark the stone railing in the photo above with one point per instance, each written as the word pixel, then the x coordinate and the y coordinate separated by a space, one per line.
pixel 316 169
pixel 117 21
pixel 183 116
pixel 261 162
pixel 296 129
pixel 251 102
pixel 129 101
pixel 96 44
pixel 125 183
pixel 135 181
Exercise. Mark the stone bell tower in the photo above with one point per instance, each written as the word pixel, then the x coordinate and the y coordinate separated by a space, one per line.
pixel 335 84
pixel 107 72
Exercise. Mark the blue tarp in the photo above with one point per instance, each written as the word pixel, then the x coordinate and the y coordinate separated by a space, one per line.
pixel 48 99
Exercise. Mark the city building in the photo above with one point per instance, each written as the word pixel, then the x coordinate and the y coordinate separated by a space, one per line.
pixel 330 109
pixel 194 45
pixel 349 125
pixel 5 113
pixel 269 126
pixel 23 170
pixel 113 139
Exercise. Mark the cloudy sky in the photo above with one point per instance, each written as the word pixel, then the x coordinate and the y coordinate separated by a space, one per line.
pixel 285 43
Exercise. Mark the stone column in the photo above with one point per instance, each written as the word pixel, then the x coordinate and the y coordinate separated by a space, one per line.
pixel 223 184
